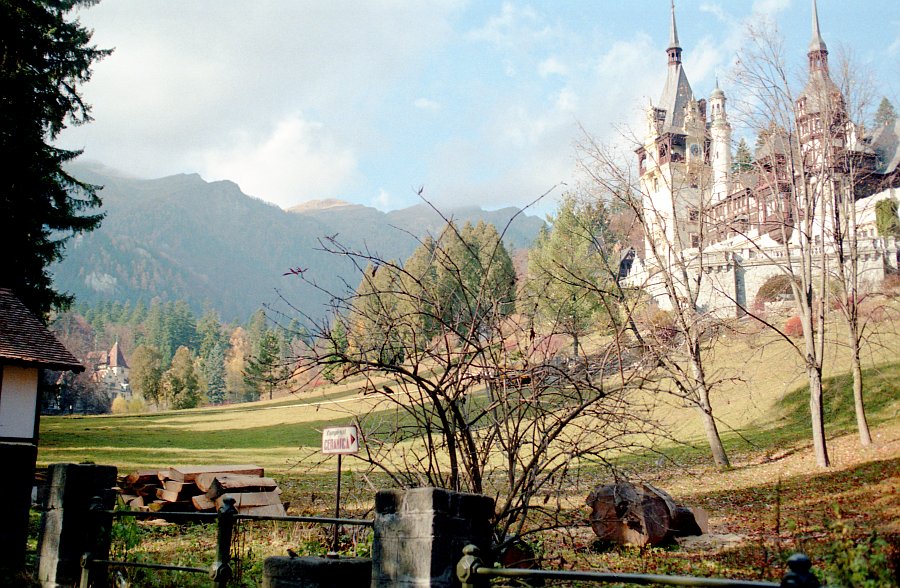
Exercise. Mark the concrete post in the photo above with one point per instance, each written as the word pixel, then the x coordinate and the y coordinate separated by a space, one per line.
pixel 15 495
pixel 316 572
pixel 68 527
pixel 420 534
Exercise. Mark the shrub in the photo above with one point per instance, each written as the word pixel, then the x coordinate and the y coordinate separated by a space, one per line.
pixel 137 404
pixel 119 405
pixel 793 327
pixel 774 289
pixel 886 219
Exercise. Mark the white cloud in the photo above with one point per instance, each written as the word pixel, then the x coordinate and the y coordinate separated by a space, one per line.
pixel 300 160
pixel 427 104
pixel 506 29
pixel 552 66
pixel 770 7
pixel 383 201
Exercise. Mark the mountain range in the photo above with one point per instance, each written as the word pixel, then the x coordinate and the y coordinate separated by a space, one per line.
pixel 208 243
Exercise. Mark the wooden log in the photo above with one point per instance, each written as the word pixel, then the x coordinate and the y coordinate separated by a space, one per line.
pixel 231 484
pixel 146 490
pixel 205 481
pixel 141 477
pixel 165 506
pixel 248 499
pixel 628 513
pixel 190 473
pixel 201 502
pixel 185 488
pixel 168 495
pixel 271 510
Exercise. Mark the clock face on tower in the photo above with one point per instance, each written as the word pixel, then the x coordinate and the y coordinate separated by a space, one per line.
pixel 695 149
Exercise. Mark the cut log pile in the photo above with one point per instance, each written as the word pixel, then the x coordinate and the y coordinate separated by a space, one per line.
pixel 202 488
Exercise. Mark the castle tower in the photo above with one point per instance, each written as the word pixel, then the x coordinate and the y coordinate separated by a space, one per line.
pixel 720 149
pixel 821 113
pixel 672 160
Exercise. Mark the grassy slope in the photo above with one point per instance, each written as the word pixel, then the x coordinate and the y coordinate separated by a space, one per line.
pixel 772 502
pixel 760 393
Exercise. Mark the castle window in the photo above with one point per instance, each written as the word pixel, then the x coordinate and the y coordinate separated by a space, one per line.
pixel 695 240
pixel 694 214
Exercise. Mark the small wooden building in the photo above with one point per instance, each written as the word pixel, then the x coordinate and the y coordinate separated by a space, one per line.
pixel 26 347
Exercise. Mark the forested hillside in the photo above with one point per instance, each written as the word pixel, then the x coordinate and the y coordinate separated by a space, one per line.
pixel 182 238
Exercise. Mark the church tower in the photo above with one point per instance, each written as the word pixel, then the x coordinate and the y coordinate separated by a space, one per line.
pixel 720 150
pixel 673 161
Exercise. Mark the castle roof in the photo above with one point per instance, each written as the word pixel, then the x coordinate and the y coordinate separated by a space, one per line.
pixel 886 143
pixel 116 359
pixel 677 93
pixel 24 340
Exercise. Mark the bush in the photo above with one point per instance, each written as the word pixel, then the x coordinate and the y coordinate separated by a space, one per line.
pixel 137 404
pixel 793 327
pixel 775 289
pixel 119 405
pixel 862 562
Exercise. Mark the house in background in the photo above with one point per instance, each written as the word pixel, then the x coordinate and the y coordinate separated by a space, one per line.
pixel 111 370
pixel 26 347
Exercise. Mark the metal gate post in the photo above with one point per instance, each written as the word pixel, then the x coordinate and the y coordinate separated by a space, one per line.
pixel 221 570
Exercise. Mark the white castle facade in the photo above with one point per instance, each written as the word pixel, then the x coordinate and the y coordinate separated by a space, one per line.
pixel 720 231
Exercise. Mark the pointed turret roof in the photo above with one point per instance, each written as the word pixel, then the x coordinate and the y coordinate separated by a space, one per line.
pixel 677 93
pixel 116 359
pixel 673 31
pixel 816 43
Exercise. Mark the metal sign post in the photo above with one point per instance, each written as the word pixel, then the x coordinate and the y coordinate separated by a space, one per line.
pixel 339 441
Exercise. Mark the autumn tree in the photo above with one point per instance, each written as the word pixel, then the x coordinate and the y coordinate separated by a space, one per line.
pixel 180 383
pixel 475 401
pixel 45 58
pixel 146 373
pixel 567 271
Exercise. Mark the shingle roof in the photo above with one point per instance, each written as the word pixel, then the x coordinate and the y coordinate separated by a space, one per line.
pixel 24 340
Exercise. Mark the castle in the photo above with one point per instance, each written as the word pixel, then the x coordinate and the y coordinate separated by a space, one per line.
pixel 718 230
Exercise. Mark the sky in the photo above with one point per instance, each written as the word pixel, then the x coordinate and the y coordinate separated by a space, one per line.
pixel 475 102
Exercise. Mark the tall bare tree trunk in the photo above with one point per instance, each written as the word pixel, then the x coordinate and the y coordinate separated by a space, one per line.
pixel 817 414
pixel 706 413
pixel 862 425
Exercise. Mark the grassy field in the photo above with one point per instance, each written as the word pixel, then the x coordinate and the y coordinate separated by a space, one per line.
pixel 771 502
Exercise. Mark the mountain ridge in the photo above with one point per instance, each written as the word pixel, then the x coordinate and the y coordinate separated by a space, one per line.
pixel 181 237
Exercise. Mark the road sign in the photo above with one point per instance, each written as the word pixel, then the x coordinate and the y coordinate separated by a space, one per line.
pixel 340 440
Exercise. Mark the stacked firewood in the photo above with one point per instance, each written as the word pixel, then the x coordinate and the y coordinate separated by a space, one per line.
pixel 202 488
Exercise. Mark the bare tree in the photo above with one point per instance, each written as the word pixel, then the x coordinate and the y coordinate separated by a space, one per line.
pixel 464 393
pixel 806 178
pixel 674 275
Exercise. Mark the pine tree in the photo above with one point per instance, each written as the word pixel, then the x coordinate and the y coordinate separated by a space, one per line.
pixel 743 159
pixel 885 115
pixel 567 272
pixel 44 59
pixel 263 371
pixel 214 374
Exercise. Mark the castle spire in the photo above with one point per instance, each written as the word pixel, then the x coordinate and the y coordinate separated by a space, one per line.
pixel 674 49
pixel 818 52
pixel 816 44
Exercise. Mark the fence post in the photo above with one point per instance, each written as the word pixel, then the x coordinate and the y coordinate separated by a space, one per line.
pixel 799 574
pixel 420 532
pixel 221 570
pixel 70 526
